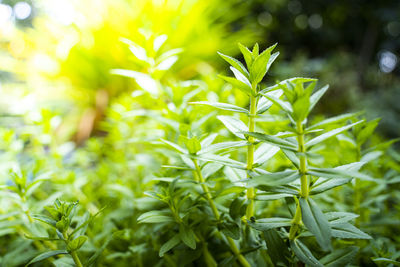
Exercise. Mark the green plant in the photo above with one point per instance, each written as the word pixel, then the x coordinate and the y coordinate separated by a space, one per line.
pixel 307 179
pixel 246 178
pixel 65 228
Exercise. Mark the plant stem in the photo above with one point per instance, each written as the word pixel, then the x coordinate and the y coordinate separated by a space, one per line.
pixel 357 194
pixel 250 155
pixel 73 253
pixel 303 179
pixel 214 209
pixel 76 259
pixel 303 163
pixel 206 190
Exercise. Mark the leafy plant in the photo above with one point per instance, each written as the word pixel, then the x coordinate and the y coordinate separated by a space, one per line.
pixel 66 229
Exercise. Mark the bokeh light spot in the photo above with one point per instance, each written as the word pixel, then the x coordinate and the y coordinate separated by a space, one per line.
pixel 387 61
pixel 5 13
pixel 265 19
pixel 301 21
pixel 22 10
pixel 315 21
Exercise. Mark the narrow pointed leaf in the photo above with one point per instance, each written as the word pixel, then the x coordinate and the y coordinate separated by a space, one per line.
pixel 248 57
pixel 347 231
pixel 222 106
pixel 316 222
pixel 221 146
pixel 329 134
pixel 270 223
pixel 175 146
pixel 340 257
pixel 170 244
pixel 276 247
pixel 304 254
pixel 274 179
pixel 264 152
pixel 46 255
pixel 187 236
pixel 234 125
pixel 317 96
pixel 323 185
pixel 282 143
pixel 238 84
pixel 333 120
pixel 235 63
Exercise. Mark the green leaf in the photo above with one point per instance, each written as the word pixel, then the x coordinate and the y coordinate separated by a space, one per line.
pixel 333 120
pixel 41 238
pixel 274 179
pixel 222 106
pixel 281 103
pixel 255 50
pixel 155 216
pixel 238 84
pixel 316 222
pixel 260 65
pixel 347 231
pixel 221 146
pixel 264 152
pixel 285 189
pixel 367 131
pixel 175 146
pixel 317 96
pixel 46 255
pixel 187 236
pixel 340 257
pixel 386 260
pixel 272 59
pixel 170 244
pixel 248 57
pixel 301 108
pixel 276 248
pixel 240 77
pixel 304 254
pixel 340 216
pixel 231 229
pixel 336 173
pixel 292 157
pixel 323 185
pixel 234 125
pixel 45 219
pixel 236 208
pixel 223 160
pixel 270 223
pixel 330 134
pixel 235 63
pixel 282 143
pixel 77 243
pixel 145 81
pixel 264 104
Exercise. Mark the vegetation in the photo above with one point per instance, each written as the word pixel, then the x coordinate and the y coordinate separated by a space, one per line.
pixel 126 147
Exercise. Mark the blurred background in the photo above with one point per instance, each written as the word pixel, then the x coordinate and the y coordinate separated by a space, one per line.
pixel 56 55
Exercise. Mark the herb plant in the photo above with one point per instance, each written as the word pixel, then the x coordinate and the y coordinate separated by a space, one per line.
pixel 228 171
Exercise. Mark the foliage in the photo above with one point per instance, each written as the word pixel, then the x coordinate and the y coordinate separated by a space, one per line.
pixel 201 172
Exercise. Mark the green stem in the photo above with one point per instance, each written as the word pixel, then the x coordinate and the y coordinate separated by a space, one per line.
pixel 303 163
pixel 357 195
pixel 214 209
pixel 303 180
pixel 73 253
pixel 250 156
pixel 76 259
